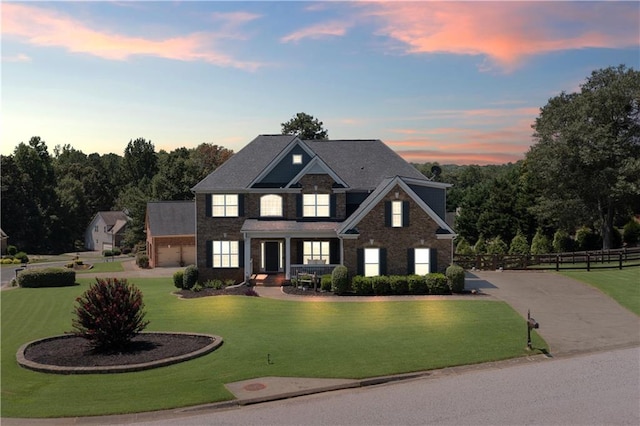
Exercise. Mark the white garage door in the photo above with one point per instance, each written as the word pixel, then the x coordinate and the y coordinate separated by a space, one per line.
pixel 170 256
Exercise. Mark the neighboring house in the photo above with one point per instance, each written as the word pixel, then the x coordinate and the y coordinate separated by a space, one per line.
pixel 106 231
pixel 4 241
pixel 171 233
pixel 282 205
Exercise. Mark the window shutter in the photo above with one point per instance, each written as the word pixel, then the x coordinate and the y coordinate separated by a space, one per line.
pixel 383 261
pixel 411 261
pixel 208 205
pixel 241 254
pixel 332 205
pixel 300 252
pixel 387 213
pixel 209 254
pixel 360 267
pixel 334 252
pixel 240 205
pixel 298 205
pixel 405 213
pixel 433 260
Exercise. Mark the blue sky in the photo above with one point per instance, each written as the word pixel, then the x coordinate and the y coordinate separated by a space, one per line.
pixel 453 82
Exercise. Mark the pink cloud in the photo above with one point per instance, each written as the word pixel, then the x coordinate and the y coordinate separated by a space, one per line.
pixel 505 32
pixel 20 57
pixel 321 30
pixel 43 27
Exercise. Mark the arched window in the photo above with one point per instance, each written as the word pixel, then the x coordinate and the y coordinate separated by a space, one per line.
pixel 271 205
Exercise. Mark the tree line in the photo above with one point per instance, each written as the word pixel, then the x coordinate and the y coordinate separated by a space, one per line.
pixel 577 187
pixel 49 200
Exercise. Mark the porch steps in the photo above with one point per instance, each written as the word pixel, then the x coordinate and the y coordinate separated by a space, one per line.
pixel 269 280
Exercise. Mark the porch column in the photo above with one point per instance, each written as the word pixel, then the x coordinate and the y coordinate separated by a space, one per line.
pixel 248 264
pixel 341 251
pixel 287 258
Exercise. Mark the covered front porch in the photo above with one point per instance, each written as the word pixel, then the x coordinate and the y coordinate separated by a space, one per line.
pixel 289 247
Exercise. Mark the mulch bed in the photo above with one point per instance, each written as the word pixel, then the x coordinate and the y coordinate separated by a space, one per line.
pixel 75 351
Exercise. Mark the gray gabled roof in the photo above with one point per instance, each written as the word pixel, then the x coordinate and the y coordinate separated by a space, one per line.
pixel 166 218
pixel 241 169
pixel 361 164
pixel 110 218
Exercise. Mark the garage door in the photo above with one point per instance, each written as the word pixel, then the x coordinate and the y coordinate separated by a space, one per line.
pixel 170 256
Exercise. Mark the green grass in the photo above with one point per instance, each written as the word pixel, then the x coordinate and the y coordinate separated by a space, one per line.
pixel 103 267
pixel 303 339
pixel 623 285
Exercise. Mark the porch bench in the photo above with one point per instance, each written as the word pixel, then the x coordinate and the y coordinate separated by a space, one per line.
pixel 307 278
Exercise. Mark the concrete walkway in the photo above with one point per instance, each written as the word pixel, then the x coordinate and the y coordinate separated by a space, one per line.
pixel 574 317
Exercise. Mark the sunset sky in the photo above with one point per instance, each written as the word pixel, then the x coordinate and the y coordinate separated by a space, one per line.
pixel 452 82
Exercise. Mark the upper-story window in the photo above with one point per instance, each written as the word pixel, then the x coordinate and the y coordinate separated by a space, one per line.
pixel 315 205
pixel 396 214
pixel 224 205
pixel 296 159
pixel 271 205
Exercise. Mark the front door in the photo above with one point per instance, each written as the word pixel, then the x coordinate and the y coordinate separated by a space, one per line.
pixel 271 256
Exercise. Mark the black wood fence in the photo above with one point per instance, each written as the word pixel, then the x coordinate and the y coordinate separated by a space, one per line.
pixel 585 260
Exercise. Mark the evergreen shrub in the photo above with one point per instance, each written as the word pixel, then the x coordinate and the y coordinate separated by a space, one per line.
pixel 190 277
pixel 455 278
pixel 437 283
pixel 46 277
pixel 340 280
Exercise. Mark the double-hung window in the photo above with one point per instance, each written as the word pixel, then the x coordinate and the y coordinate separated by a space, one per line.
pixel 396 214
pixel 422 257
pixel 224 205
pixel 315 205
pixel 315 250
pixel 371 262
pixel 271 205
pixel 225 254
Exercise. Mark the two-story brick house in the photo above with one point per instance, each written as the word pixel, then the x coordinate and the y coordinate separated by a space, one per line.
pixel 281 205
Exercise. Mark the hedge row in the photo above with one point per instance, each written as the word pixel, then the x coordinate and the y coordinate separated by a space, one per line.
pixel 434 283
pixel 46 277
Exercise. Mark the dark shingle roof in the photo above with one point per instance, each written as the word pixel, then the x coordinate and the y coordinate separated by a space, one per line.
pixel 361 164
pixel 239 170
pixel 171 218
pixel 111 217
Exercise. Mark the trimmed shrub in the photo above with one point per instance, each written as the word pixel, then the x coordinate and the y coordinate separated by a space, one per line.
pixel 107 253
pixel 178 279
pixel 463 247
pixel 455 278
pixel 398 284
pixel 12 250
pixel 116 251
pixel 540 243
pixel 215 284
pixel 16 261
pixel 586 239
pixel 381 285
pixel 190 277
pixel 562 242
pixel 417 284
pixel 46 277
pixel 7 261
pixel 362 286
pixel 142 260
pixel 437 283
pixel 22 256
pixel 340 280
pixel 109 314
pixel 630 233
pixel 519 244
pixel 496 246
pixel 325 282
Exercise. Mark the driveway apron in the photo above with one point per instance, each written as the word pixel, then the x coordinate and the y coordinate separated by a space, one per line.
pixel 574 317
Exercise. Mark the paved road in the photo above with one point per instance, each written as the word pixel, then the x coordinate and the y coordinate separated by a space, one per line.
pixel 594 389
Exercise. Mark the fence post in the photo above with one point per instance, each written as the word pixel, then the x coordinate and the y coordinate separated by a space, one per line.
pixel 588 262
pixel 557 262
pixel 619 260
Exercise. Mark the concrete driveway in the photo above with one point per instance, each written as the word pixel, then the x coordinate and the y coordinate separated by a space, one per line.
pixel 574 317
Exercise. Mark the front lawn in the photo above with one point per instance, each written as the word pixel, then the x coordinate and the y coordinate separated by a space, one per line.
pixel 623 285
pixel 308 339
